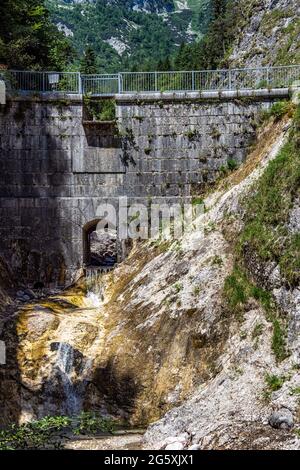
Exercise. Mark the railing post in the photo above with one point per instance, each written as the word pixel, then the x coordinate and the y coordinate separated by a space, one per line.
pixel 43 82
pixel 229 80
pixel 80 89
pixel 120 83
pixel 193 80
pixel 268 77
pixel 156 81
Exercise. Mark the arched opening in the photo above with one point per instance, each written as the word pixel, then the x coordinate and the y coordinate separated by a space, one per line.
pixel 100 248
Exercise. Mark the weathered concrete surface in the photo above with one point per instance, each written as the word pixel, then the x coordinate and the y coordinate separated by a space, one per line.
pixel 55 170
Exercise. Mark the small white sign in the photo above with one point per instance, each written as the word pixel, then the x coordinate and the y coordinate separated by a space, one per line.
pixel 53 78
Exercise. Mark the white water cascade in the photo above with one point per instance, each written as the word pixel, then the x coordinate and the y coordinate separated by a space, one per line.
pixel 74 369
pixel 66 367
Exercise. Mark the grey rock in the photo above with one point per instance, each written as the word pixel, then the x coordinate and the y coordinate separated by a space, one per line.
pixel 281 419
pixel 175 446
pixel 194 447
pixel 30 293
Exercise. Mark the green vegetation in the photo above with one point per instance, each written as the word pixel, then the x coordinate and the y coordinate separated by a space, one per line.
pixel 232 164
pixel 91 423
pixel 99 110
pixel 196 201
pixel 238 290
pixel 124 38
pixel 49 432
pixel 278 340
pixel 28 39
pixel 192 135
pixel 271 18
pixel 266 220
pixel 257 331
pixel 266 235
pixel 273 383
pixel 88 63
pixel 217 261
pixel 178 287
pixel 196 291
pixel 278 110
pixel 41 434
pixel 226 16
pixel 289 52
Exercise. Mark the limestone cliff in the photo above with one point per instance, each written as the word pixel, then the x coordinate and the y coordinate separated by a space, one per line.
pixel 268 33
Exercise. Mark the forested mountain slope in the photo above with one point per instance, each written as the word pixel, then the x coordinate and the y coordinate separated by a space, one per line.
pixel 126 34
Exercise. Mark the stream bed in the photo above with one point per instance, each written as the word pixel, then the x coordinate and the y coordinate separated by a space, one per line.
pixel 124 441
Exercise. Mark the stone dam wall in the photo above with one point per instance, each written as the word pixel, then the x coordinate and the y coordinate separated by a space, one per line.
pixel 56 168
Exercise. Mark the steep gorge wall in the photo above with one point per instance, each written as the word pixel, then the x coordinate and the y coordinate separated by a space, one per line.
pixel 268 33
pixel 56 169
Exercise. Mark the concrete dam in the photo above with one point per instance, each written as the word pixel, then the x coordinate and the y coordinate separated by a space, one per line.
pixel 57 165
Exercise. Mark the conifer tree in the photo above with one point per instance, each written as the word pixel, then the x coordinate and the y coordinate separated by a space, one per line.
pixel 28 39
pixel 89 61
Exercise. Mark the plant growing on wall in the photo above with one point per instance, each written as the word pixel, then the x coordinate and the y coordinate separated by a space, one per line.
pixel 99 110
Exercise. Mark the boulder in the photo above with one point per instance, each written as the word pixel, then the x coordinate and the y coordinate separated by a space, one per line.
pixel 281 419
pixel 30 293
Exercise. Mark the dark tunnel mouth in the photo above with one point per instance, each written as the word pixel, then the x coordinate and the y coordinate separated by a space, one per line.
pixel 97 252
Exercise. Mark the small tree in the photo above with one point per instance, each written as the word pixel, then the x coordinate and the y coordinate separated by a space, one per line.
pixel 89 62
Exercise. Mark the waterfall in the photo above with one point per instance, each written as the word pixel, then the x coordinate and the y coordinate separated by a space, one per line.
pixel 73 368
pixel 66 366
pixel 95 290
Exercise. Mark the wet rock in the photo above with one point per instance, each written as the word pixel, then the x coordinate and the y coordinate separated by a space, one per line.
pixel 282 419
pixel 30 294
pixel 25 298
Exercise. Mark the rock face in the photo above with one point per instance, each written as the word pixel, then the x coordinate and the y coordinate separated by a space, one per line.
pixel 268 35
pixel 231 411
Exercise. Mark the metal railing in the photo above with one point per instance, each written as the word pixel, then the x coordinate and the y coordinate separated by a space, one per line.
pixel 150 82
pixel 210 80
pixel 103 85
pixel 43 82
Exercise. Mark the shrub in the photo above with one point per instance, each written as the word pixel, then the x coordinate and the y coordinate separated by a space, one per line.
pixel 274 382
pixel 92 423
pixel 49 432
pixel 232 164
pixel 42 434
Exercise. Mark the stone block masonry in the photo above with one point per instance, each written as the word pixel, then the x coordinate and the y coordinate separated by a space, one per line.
pixel 55 169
